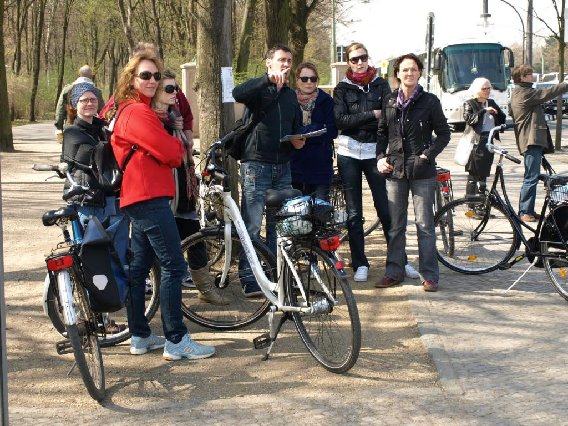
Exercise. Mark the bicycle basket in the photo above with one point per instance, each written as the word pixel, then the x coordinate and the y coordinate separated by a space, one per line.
pixel 559 194
pixel 294 226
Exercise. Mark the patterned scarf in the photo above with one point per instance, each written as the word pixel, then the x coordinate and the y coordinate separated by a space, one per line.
pixel 361 78
pixel 307 103
pixel 403 104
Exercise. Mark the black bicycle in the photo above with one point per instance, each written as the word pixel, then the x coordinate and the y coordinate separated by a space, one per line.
pixel 487 232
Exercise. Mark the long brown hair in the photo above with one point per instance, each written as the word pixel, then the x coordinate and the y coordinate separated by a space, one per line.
pixel 125 85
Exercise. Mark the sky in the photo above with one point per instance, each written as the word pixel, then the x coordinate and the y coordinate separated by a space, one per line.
pixel 389 27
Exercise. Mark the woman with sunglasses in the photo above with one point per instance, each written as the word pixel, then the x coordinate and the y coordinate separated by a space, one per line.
pixel 358 106
pixel 184 203
pixel 147 187
pixel 312 166
pixel 481 114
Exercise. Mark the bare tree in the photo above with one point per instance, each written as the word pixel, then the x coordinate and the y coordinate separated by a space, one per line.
pixel 66 15
pixel 300 11
pixel 39 15
pixel 278 21
pixel 6 139
pixel 245 36
pixel 559 36
pixel 126 10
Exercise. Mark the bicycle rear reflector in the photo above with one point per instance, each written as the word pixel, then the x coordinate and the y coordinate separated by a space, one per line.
pixel 444 176
pixel 58 263
pixel 330 243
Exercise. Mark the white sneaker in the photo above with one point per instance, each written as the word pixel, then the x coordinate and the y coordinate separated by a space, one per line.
pixel 361 274
pixel 410 272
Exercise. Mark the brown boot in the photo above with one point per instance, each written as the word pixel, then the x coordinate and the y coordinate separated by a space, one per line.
pixel 207 290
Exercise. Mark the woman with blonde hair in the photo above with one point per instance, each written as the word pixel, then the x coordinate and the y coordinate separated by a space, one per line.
pixel 481 114
pixel 147 187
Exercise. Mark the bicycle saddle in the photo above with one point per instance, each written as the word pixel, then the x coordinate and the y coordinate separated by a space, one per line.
pixel 274 197
pixel 51 217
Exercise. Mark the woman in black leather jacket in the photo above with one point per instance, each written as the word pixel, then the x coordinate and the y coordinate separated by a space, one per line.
pixel 406 154
pixel 358 104
pixel 481 114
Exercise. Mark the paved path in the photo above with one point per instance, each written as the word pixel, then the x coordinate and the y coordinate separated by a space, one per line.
pixel 500 358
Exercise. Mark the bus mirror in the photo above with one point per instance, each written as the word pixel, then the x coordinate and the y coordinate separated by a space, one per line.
pixel 437 65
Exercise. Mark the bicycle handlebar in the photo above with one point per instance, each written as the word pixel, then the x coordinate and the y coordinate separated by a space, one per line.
pixel 62 170
pixel 491 147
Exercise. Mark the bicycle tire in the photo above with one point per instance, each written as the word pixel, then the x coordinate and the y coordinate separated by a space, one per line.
pixel 107 339
pixel 445 223
pixel 85 343
pixel 555 262
pixel 240 311
pixel 332 335
pixel 472 255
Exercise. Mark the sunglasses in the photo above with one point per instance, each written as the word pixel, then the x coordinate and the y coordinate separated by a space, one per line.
pixel 305 79
pixel 356 59
pixel 171 88
pixel 147 75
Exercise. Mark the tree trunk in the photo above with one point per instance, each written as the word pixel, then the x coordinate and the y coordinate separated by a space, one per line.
pixel 300 12
pixel 559 102
pixel 40 11
pixel 126 16
pixel 61 71
pixel 208 81
pixel 245 36
pixel 158 29
pixel 277 21
pixel 6 139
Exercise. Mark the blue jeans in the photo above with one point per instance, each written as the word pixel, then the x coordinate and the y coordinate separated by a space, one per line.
pixel 154 233
pixel 351 171
pixel 423 193
pixel 527 199
pixel 256 179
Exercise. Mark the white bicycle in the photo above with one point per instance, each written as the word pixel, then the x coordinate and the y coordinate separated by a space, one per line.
pixel 306 282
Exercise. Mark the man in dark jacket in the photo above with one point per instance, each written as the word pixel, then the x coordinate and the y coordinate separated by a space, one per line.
pixel 531 131
pixel 265 161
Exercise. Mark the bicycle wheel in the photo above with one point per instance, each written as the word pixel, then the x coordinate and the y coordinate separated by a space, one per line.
pixel 113 328
pixel 239 311
pixel 481 242
pixel 445 223
pixel 332 333
pixel 85 343
pixel 555 252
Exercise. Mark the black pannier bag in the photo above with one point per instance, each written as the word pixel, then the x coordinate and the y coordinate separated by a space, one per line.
pixel 105 279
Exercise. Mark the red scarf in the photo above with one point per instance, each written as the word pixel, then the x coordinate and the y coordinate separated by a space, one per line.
pixel 361 78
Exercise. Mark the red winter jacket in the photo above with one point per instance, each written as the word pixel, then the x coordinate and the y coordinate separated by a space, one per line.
pixel 148 174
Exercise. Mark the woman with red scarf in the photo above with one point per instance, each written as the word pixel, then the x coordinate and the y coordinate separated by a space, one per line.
pixel 358 107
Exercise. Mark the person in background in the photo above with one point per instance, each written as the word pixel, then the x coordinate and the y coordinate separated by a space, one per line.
pixel 265 161
pixel 481 114
pixel 80 139
pixel 358 107
pixel 312 166
pixel 85 76
pixel 531 131
pixel 184 207
pixel 406 154
pixel 147 187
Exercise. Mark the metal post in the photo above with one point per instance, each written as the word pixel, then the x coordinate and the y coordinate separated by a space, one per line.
pixel 3 358
pixel 332 58
pixel 529 32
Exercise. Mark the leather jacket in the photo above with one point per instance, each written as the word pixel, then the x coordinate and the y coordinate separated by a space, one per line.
pixel 403 147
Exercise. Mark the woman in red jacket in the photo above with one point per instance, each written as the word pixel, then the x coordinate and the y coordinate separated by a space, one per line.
pixel 147 187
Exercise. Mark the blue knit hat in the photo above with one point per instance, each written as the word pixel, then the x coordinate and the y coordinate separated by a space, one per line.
pixel 78 90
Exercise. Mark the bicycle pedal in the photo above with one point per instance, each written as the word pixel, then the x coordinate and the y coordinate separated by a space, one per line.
pixel 64 347
pixel 262 342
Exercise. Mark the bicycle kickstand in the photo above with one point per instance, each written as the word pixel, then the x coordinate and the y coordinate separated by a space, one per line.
pixel 267 340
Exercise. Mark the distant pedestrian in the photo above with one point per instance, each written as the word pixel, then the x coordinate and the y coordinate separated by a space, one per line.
pixel 531 131
pixel 481 114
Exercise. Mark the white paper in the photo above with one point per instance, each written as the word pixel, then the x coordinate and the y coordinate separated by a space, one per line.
pixel 227 84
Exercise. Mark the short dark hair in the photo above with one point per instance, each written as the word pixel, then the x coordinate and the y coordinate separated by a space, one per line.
pixel 273 49
pixel 520 71
pixel 411 56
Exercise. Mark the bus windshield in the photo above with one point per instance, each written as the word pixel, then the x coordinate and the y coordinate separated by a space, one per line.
pixel 466 62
